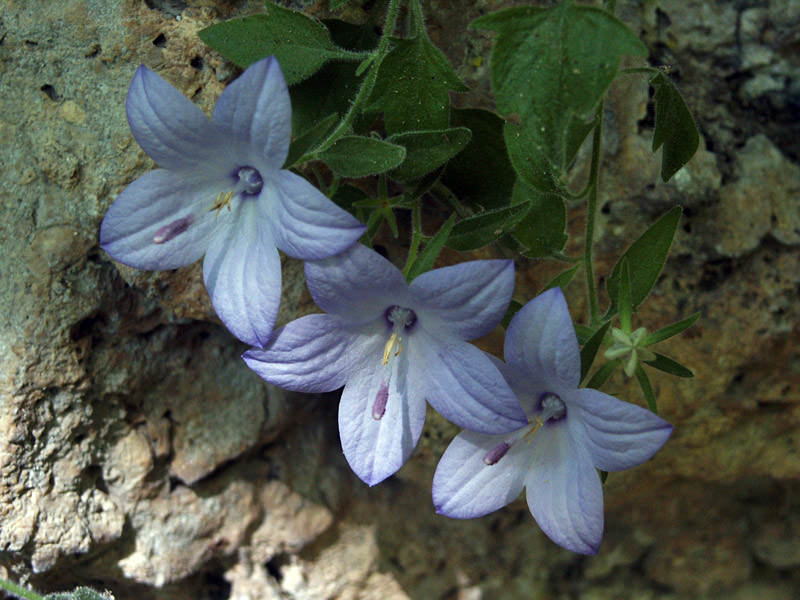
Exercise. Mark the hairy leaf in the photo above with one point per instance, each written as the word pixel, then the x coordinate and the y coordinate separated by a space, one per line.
pixel 675 129
pixel 357 156
pixel 478 231
pixel 550 68
pixel 426 151
pixel 300 43
pixel 645 258
pixel 412 87
pixel 542 231
pixel 481 175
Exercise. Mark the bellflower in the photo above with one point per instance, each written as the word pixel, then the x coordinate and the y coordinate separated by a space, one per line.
pixel 222 193
pixel 393 346
pixel 571 432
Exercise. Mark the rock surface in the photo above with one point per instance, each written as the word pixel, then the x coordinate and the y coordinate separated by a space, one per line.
pixel 138 454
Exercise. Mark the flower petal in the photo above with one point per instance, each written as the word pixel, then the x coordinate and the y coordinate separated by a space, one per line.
pixel 305 223
pixel 154 201
pixel 471 297
pixel 170 129
pixel 357 285
pixel 465 487
pixel 619 435
pixel 311 354
pixel 463 385
pixel 563 490
pixel 255 109
pixel 242 272
pixel 541 344
pixel 377 448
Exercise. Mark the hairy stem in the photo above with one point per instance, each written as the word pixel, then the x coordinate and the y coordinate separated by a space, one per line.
pixel 591 216
pixel 366 87
pixel 18 591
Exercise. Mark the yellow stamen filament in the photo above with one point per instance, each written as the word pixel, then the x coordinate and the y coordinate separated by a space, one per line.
pixel 223 200
pixel 537 422
pixel 387 349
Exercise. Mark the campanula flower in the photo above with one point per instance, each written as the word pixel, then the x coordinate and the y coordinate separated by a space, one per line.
pixel 571 432
pixel 222 193
pixel 394 345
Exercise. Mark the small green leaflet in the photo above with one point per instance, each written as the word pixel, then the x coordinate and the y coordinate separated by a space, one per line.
pixel 430 252
pixel 303 143
pixel 550 69
pixel 668 365
pixel 645 258
pixel 300 43
pixel 563 279
pixel 670 330
pixel 542 232
pixel 412 87
pixel 590 348
pixel 428 150
pixel 483 229
pixel 675 127
pixel 481 175
pixel 357 156
pixel 647 389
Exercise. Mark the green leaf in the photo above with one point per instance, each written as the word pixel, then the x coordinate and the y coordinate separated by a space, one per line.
pixel 625 306
pixel 333 87
pixel 305 142
pixel 645 258
pixel 350 198
pixel 602 374
pixel 412 87
pixel 563 279
pixel 478 231
pixel 675 127
pixel 357 156
pixel 430 252
pixel 542 232
pixel 300 43
pixel 428 150
pixel 668 365
pixel 80 593
pixel 670 330
pixel 590 348
pixel 647 389
pixel 334 5
pixel 481 175
pixel 513 308
pixel 550 69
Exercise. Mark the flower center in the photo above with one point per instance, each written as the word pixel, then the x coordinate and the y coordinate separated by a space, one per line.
pixel 400 319
pixel 248 182
pixel 551 409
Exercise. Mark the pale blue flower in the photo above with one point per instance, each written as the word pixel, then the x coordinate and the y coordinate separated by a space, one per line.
pixel 571 432
pixel 222 193
pixel 394 345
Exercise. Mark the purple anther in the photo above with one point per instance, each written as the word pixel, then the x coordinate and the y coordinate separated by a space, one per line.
pixel 177 227
pixel 381 398
pixel 496 453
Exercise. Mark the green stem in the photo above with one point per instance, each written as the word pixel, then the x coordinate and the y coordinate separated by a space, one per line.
pixel 19 591
pixel 366 88
pixel 591 216
pixel 416 237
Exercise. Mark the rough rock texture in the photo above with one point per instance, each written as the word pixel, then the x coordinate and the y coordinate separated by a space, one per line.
pixel 138 454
